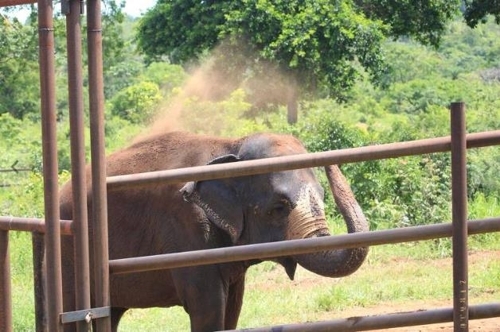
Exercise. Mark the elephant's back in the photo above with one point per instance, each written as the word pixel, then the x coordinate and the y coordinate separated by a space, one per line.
pixel 168 151
pixel 161 152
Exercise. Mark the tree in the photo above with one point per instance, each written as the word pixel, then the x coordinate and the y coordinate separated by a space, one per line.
pixel 18 69
pixel 321 42
pixel 19 74
pixel 477 10
pixel 425 20
pixel 324 45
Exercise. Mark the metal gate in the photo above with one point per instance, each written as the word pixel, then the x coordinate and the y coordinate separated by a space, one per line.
pixel 52 228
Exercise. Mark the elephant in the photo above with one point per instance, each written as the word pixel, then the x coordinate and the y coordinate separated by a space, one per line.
pixel 169 218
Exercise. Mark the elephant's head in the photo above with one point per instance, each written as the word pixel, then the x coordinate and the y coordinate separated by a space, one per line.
pixel 279 206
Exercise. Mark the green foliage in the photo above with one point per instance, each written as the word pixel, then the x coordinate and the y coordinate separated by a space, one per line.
pixel 19 77
pixel 20 146
pixel 22 281
pixel 10 126
pixel 424 21
pixel 476 11
pixel 165 75
pixel 196 23
pixel 293 36
pixel 418 188
pixel 120 76
pixel 25 199
pixel 137 102
pixel 324 43
pixel 18 95
pixel 112 24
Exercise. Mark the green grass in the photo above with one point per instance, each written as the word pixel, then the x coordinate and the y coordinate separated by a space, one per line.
pixel 22 281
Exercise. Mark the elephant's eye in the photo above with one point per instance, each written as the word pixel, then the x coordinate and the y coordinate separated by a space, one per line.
pixel 280 208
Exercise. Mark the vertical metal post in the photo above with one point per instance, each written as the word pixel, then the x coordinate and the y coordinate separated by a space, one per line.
pixel 50 164
pixel 99 193
pixel 5 289
pixel 459 217
pixel 37 240
pixel 78 174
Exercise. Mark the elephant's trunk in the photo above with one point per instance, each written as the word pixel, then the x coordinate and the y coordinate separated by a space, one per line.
pixel 333 263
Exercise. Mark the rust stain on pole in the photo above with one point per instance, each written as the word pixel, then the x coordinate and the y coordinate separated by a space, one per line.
pixel 78 171
pixel 459 216
pixel 50 165
pixel 5 287
pixel 99 193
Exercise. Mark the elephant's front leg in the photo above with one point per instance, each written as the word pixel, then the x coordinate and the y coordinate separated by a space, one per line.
pixel 203 295
pixel 234 303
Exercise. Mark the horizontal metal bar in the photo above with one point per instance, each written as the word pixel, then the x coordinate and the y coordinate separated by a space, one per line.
pixel 31 225
pixel 86 315
pixel 385 321
pixel 317 159
pixel 6 3
pixel 294 247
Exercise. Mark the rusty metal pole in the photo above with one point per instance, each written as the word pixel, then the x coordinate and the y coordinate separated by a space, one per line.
pixel 379 322
pixel 78 174
pixel 38 245
pixel 99 193
pixel 5 289
pixel 459 218
pixel 50 164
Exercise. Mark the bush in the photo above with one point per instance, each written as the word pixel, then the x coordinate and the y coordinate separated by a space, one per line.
pixel 137 102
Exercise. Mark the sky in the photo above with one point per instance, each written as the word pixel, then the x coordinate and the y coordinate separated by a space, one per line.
pixel 137 7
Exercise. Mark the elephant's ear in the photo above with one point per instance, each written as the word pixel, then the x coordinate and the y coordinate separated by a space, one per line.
pixel 219 199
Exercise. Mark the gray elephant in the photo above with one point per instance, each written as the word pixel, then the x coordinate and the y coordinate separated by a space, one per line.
pixel 167 218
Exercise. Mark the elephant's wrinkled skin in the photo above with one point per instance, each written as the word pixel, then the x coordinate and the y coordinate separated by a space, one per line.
pixel 208 214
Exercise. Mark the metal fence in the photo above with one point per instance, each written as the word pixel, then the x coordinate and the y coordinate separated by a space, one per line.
pixel 52 228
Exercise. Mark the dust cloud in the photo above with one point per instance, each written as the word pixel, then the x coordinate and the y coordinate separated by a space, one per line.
pixel 198 85
pixel 264 87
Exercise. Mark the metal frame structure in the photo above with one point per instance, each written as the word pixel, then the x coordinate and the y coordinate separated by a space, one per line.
pixel 51 227
pixel 47 233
